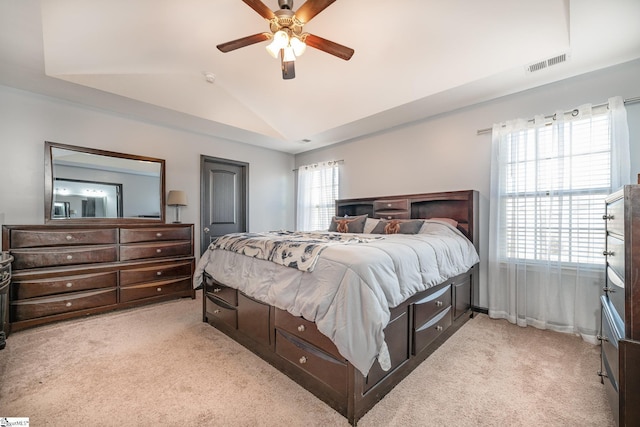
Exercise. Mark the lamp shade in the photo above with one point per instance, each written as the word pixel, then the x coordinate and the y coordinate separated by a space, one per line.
pixel 177 198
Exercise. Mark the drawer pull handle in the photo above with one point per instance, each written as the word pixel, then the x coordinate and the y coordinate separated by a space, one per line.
pixel 607 253
pixel 608 289
pixel 69 284
pixel 158 234
pixel 68 304
pixel 69 237
pixel 69 257
pixel 602 374
pixel 301 328
pixel 607 217
pixel 158 250
pixel 438 328
pixel 216 311
pixel 216 290
pixel 439 303
pixel 159 273
pixel 303 360
pixel 602 338
pixel 159 289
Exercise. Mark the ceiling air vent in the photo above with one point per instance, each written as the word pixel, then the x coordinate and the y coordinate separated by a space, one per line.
pixel 537 66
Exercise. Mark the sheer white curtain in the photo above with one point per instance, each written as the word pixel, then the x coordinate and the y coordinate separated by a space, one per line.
pixel 318 188
pixel 548 185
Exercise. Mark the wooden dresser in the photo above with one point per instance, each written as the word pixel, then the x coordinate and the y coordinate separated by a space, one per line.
pixel 68 271
pixel 620 302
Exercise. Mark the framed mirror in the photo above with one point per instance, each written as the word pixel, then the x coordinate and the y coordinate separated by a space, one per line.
pixel 90 185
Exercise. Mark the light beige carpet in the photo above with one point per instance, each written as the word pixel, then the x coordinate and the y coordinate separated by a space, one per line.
pixel 162 366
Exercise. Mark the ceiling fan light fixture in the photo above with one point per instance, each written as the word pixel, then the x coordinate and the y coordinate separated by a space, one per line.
pixel 280 41
pixel 297 45
pixel 288 54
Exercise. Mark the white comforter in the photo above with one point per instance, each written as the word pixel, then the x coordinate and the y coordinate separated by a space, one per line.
pixel 349 293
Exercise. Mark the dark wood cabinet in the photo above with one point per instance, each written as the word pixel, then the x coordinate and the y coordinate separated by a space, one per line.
pixel 67 271
pixel 620 302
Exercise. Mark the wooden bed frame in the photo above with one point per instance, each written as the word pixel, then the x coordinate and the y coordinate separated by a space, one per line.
pixel 417 327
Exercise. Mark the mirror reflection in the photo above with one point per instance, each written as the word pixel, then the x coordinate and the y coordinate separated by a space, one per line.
pixel 94 184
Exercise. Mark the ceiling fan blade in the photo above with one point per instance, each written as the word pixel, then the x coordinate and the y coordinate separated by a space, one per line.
pixel 244 41
pixel 311 8
pixel 260 7
pixel 330 47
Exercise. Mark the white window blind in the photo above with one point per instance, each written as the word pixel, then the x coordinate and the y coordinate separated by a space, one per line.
pixel 318 189
pixel 556 179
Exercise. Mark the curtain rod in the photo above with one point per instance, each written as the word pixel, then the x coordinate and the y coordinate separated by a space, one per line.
pixel 626 101
pixel 316 164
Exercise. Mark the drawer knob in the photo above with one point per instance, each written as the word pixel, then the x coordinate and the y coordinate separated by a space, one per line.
pixel 68 304
pixel 69 237
pixel 439 303
pixel 69 257
pixel 389 205
pixel 69 284
pixel 607 253
pixel 216 311
pixel 438 328
pixel 607 217
pixel 301 328
pixel 158 250
pixel 159 289
pixel 158 234
pixel 389 217
pixel 608 289
pixel 602 338
pixel 159 273
pixel 216 290
pixel 303 360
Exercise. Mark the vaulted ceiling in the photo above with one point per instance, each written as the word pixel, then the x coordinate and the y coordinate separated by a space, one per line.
pixel 413 59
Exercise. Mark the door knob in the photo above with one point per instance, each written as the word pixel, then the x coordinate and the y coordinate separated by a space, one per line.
pixel 206 230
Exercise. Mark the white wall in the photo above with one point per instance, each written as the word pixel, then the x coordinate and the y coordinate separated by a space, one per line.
pixel 27 120
pixel 444 153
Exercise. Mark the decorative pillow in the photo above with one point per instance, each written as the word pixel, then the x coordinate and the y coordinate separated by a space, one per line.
pixel 348 224
pixel 370 224
pixel 449 221
pixel 398 226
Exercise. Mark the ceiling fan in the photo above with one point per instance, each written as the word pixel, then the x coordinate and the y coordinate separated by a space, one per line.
pixel 287 39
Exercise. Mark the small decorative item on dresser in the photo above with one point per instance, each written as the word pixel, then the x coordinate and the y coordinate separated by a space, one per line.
pixel 177 198
pixel 5 280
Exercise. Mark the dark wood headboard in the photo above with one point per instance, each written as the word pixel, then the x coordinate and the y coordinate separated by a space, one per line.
pixel 461 206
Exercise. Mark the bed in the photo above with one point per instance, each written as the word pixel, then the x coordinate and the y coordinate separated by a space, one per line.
pixel 349 312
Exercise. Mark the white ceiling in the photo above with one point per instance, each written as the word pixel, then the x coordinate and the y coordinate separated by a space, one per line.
pixel 413 59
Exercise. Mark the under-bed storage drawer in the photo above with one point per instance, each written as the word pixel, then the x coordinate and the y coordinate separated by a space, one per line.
pixel 306 330
pixel 225 293
pixel 312 360
pixel 397 338
pixel 430 305
pixel 428 332
pixel 218 311
pixel 65 303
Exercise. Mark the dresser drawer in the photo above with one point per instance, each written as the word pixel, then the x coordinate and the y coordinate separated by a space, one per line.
pixel 225 293
pixel 33 288
pixel 615 255
pixel 154 250
pixel 430 305
pixel 154 289
pixel 312 360
pixel 306 330
pixel 135 235
pixel 157 272
pixel 40 238
pixel 74 301
pixel 37 258
pixel 427 333
pixel 217 311
pixel 611 335
pixel 615 217
pixel 616 292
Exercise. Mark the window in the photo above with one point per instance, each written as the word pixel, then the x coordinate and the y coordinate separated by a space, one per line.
pixel 556 179
pixel 318 189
